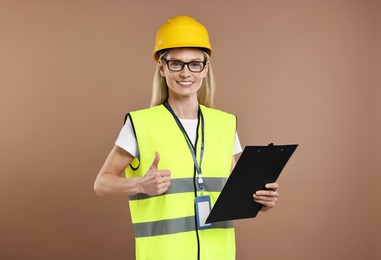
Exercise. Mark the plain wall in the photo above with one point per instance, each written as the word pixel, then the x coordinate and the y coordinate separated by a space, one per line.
pixel 377 153
pixel 305 72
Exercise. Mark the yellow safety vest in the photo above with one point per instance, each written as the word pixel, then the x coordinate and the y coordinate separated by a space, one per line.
pixel 164 225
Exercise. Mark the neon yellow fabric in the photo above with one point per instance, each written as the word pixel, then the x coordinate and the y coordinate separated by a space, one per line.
pixel 155 217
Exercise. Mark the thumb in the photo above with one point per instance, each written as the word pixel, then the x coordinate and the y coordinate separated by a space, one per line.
pixel 155 162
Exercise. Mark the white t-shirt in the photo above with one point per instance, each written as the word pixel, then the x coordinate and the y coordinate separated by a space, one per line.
pixel 127 140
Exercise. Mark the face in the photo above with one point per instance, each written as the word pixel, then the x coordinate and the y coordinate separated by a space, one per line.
pixel 184 83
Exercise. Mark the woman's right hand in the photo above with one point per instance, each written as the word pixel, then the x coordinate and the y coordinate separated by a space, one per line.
pixel 156 181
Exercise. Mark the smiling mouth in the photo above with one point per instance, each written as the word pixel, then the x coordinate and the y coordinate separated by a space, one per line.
pixel 185 83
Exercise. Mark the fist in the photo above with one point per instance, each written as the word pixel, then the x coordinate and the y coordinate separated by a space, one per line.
pixel 155 181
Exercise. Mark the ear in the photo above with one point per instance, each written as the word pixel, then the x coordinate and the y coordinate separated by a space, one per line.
pixel 161 68
pixel 205 71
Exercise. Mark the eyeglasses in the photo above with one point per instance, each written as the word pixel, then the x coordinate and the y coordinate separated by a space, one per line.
pixel 178 65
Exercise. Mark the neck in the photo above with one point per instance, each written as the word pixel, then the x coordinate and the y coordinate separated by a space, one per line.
pixel 184 109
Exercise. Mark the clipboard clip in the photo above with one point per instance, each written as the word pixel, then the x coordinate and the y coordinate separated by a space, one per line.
pixel 272 144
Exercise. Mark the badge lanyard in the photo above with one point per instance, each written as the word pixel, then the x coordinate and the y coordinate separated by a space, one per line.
pixel 202 204
pixel 200 180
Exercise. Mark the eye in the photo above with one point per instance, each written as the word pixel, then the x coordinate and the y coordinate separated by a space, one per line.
pixel 175 64
pixel 196 65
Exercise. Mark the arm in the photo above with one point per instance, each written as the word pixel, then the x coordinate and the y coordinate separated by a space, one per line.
pixel 110 181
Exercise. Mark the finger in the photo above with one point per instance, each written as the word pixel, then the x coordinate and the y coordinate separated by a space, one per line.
pixel 165 184
pixel 163 187
pixel 267 204
pixel 165 180
pixel 163 173
pixel 163 176
pixel 272 186
pixel 265 198
pixel 268 193
pixel 161 191
pixel 155 162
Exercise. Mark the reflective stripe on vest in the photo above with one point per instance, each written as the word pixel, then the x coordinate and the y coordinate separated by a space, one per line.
pixel 186 185
pixel 172 226
pixel 169 219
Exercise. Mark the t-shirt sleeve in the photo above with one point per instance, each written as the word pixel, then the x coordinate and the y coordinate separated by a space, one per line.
pixel 127 139
pixel 237 145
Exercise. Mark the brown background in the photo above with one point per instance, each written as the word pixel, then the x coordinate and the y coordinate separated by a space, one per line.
pixel 304 72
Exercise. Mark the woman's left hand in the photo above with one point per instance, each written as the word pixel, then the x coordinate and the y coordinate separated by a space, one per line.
pixel 267 198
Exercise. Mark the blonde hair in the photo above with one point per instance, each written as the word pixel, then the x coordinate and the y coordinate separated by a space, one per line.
pixel 205 94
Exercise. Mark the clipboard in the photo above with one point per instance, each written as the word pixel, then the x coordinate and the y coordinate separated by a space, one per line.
pixel 257 166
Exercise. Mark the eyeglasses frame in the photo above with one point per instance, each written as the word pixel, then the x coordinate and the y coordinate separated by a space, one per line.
pixel 185 63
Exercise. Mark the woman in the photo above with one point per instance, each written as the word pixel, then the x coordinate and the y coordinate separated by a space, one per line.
pixel 177 153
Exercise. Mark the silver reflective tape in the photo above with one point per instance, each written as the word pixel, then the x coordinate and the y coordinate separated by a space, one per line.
pixel 212 184
pixel 172 226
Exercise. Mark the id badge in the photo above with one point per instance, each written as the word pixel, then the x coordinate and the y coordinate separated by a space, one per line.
pixel 203 209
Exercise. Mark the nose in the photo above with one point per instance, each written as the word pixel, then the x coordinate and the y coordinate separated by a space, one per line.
pixel 185 72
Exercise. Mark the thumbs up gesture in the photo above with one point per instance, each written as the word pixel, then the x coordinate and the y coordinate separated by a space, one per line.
pixel 155 181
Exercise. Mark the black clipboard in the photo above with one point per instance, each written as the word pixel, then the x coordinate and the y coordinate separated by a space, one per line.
pixel 257 166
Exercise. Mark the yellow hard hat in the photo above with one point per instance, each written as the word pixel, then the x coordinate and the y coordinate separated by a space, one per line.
pixel 181 31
